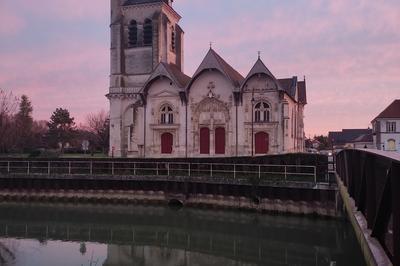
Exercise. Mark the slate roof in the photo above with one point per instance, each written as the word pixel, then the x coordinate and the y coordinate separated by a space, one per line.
pixel 137 2
pixel 180 77
pixel 365 138
pixel 260 67
pixel 172 72
pixel 289 86
pixel 348 135
pixel 392 111
pixel 215 61
pixel 302 91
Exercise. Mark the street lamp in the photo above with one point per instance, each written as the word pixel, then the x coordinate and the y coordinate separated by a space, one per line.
pixel 252 122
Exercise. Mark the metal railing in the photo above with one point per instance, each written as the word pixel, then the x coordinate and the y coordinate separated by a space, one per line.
pixel 372 179
pixel 287 173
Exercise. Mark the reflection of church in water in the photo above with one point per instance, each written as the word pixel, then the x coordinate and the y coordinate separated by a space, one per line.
pixel 156 256
pixel 157 110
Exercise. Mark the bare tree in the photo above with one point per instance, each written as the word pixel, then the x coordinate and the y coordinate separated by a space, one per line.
pixel 7 253
pixel 8 106
pixel 99 125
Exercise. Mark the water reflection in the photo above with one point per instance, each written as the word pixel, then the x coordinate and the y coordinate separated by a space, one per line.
pixel 44 234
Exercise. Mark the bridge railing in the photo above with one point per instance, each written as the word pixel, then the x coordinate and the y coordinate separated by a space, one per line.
pixel 373 181
pixel 272 172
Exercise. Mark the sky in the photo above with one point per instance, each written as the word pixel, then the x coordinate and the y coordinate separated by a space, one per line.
pixel 57 52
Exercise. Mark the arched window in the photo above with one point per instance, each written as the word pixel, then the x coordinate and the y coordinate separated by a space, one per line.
pixel 172 38
pixel 148 32
pixel 167 115
pixel 261 112
pixel 133 32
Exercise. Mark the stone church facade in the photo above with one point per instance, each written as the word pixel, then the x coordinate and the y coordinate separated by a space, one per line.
pixel 158 111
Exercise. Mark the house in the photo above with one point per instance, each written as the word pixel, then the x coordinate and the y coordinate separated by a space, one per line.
pixel 386 128
pixel 351 138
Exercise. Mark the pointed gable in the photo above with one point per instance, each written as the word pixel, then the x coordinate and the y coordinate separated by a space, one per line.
pixel 214 61
pixel 260 68
pixel 170 71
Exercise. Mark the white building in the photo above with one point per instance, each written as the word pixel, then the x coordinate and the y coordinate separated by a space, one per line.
pixel 156 110
pixel 387 128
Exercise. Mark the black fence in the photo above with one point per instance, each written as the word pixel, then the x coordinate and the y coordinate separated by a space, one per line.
pixel 373 181
pixel 276 165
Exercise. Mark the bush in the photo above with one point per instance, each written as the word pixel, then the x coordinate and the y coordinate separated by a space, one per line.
pixel 35 153
pixel 42 153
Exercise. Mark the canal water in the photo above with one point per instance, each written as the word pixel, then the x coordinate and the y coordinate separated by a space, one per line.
pixel 38 234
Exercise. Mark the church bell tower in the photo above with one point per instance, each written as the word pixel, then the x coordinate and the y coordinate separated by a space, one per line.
pixel 143 34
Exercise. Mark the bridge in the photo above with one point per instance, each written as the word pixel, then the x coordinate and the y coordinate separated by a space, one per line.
pixel 369 182
pixel 284 183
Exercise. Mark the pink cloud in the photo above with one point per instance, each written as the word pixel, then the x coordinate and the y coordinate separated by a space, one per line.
pixel 347 49
pixel 10 24
pixel 66 10
pixel 71 76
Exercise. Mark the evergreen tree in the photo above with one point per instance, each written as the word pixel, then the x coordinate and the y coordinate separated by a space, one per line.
pixel 24 122
pixel 61 128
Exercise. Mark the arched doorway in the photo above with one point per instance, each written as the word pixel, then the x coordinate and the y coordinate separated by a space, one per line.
pixel 220 140
pixel 204 140
pixel 261 143
pixel 391 145
pixel 167 141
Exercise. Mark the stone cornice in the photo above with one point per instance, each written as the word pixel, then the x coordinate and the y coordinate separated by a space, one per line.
pixel 125 90
pixel 169 10
pixel 123 96
pixel 165 126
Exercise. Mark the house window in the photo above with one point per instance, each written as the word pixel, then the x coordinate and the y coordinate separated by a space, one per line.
pixel 261 112
pixel 167 115
pixel 148 33
pixel 133 32
pixel 390 126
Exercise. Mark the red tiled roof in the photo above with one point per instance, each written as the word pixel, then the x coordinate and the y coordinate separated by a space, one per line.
pixel 392 111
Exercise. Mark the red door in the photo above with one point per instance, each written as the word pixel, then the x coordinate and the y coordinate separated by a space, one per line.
pixel 220 140
pixel 261 143
pixel 167 141
pixel 204 140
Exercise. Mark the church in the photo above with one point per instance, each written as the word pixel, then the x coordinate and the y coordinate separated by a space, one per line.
pixel 158 111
